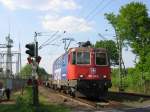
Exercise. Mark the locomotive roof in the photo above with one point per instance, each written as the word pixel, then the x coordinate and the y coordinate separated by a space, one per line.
pixel 87 48
pixel 82 49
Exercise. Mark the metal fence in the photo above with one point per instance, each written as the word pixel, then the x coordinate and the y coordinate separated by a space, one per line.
pixel 12 83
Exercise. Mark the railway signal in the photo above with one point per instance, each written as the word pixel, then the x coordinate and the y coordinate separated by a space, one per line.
pixel 29 60
pixel 38 59
pixel 34 59
pixel 30 49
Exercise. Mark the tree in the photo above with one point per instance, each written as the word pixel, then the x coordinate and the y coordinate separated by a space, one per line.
pixel 27 71
pixel 111 47
pixel 132 26
pixel 42 73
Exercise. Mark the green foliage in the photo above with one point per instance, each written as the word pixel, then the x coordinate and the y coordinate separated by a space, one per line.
pixel 132 26
pixel 133 81
pixel 24 104
pixel 111 47
pixel 27 71
pixel 145 67
pixel 42 108
pixel 115 78
pixel 25 100
pixel 42 73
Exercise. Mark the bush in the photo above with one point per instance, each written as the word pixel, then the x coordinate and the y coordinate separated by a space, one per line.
pixel 26 99
pixel 134 81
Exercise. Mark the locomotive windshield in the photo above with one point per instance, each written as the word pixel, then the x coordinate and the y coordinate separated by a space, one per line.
pixel 74 58
pixel 83 58
pixel 101 59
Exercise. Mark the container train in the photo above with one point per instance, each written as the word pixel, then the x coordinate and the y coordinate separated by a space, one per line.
pixel 82 69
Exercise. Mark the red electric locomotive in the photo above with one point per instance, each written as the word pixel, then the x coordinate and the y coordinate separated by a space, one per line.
pixel 83 69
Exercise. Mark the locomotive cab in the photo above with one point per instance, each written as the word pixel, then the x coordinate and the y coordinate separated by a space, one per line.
pixel 90 69
pixel 83 69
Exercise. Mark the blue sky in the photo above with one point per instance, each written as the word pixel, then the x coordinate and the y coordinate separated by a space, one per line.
pixel 81 19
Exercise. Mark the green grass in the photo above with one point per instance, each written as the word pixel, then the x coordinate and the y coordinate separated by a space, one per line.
pixel 24 104
pixel 42 108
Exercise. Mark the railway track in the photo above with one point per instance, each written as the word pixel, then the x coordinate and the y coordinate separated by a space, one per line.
pixel 130 94
pixel 124 96
pixel 91 103
pixel 116 101
pixel 113 96
pixel 78 100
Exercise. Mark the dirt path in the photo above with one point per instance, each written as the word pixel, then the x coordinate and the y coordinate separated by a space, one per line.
pixel 12 100
pixel 7 101
pixel 55 98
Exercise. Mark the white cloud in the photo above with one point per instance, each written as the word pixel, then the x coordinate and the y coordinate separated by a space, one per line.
pixel 68 23
pixel 42 5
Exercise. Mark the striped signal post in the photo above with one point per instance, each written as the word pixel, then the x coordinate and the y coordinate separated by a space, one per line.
pixel 35 73
pixel 32 51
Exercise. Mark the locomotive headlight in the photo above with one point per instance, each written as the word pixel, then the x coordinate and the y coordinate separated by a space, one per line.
pixel 81 76
pixel 104 76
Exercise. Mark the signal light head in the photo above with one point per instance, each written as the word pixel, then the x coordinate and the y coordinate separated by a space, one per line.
pixel 31 49
pixel 38 59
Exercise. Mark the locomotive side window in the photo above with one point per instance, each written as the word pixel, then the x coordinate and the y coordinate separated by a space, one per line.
pixel 101 59
pixel 74 58
pixel 83 58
